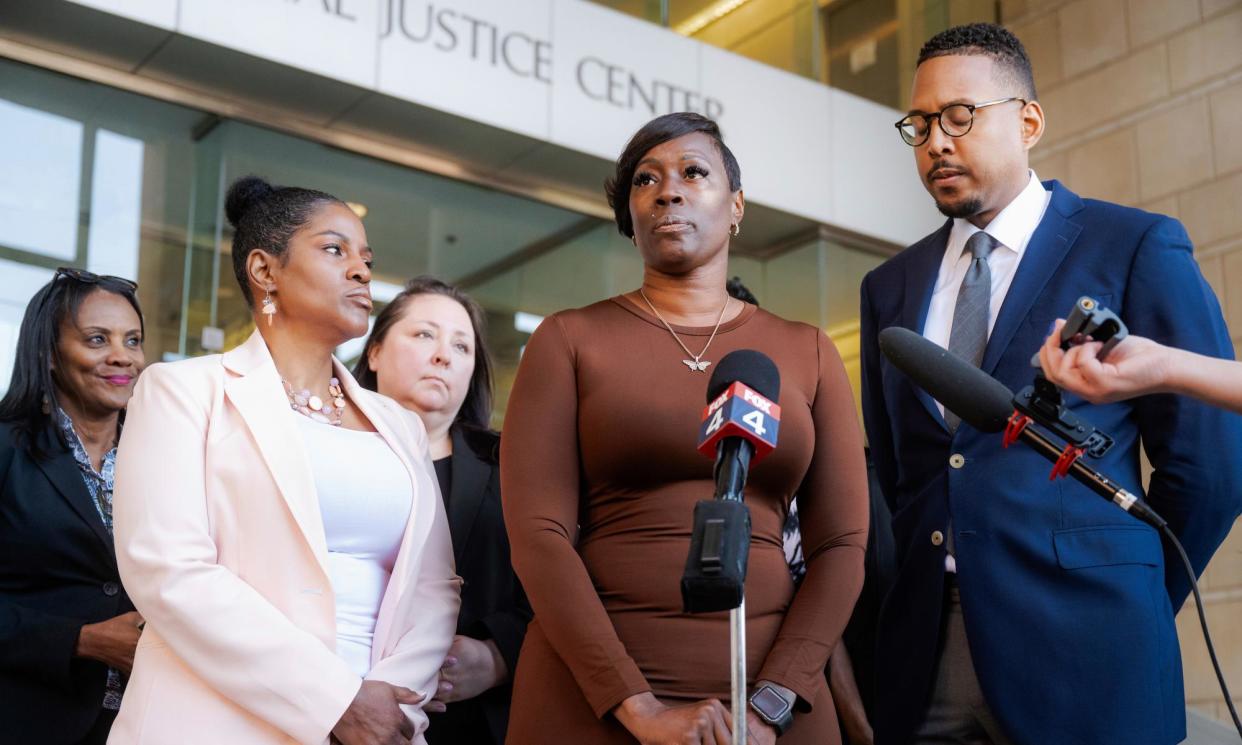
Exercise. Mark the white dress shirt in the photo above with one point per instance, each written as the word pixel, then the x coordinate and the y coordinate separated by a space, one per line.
pixel 1012 229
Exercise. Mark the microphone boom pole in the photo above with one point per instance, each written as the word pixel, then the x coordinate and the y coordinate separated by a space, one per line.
pixel 1091 478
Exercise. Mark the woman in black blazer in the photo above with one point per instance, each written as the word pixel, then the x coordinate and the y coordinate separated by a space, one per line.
pixel 67 628
pixel 427 352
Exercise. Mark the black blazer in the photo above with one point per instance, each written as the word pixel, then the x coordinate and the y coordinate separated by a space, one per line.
pixel 57 573
pixel 493 605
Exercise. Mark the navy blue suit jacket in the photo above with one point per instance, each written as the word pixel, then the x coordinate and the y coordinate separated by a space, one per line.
pixel 1068 601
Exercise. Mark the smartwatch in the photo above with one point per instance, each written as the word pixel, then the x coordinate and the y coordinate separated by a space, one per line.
pixel 773 708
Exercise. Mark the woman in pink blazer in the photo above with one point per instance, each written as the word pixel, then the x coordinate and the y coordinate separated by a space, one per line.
pixel 279 527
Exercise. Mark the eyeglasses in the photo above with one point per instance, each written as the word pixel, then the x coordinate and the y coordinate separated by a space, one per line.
pixel 90 278
pixel 955 120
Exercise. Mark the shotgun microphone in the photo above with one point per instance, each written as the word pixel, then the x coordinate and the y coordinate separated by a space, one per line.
pixel 986 404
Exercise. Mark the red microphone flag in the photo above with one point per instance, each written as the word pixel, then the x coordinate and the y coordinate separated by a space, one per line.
pixel 740 412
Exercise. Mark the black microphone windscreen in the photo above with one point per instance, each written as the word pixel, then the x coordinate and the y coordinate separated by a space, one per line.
pixel 979 399
pixel 753 369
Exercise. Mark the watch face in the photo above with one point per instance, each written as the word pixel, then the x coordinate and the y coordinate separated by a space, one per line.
pixel 770 702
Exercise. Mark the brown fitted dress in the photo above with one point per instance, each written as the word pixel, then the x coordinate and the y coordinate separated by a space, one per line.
pixel 599 479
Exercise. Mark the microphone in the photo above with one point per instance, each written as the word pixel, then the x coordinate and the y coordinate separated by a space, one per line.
pixel 986 404
pixel 977 398
pixel 739 427
pixel 742 420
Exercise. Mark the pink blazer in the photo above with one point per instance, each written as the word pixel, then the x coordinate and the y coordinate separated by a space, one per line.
pixel 221 547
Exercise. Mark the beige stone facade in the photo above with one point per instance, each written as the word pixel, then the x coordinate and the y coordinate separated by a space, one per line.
pixel 1144 106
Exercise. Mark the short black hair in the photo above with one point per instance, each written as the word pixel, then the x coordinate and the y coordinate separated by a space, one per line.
pixel 657 132
pixel 989 40
pixel 31 401
pixel 265 217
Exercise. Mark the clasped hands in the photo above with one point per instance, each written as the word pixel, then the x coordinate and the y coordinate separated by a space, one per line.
pixel 471 667
pixel 700 723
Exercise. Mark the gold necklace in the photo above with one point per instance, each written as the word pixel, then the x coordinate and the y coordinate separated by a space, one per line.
pixel 696 363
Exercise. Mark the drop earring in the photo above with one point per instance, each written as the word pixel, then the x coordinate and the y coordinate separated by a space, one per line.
pixel 735 229
pixel 269 308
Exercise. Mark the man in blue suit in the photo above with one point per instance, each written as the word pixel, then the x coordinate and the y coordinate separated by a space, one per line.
pixel 1030 611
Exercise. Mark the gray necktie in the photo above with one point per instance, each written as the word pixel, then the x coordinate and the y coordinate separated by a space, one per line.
pixel 969 335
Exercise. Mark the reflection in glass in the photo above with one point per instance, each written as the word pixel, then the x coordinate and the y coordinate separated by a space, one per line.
pixel 650 10
pixel 866 47
pixel 103 183
pixel 780 33
pixel 41 157
pixel 155 211
pixel 21 281
pixel 116 206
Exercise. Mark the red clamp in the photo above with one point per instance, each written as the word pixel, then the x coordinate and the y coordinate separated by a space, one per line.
pixel 1013 430
pixel 1069 456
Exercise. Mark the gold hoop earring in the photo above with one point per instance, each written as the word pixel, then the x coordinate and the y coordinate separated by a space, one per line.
pixel 735 229
pixel 269 308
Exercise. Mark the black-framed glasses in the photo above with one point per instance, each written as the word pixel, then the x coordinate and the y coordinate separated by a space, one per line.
pixel 91 278
pixel 955 120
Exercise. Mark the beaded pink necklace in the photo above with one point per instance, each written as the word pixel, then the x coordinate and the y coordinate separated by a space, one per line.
pixel 308 404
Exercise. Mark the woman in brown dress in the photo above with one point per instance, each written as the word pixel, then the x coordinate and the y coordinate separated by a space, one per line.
pixel 600 476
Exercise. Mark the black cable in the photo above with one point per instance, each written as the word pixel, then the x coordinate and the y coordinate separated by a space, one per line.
pixel 1207 636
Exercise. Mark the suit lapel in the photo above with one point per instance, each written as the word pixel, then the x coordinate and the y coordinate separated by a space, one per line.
pixel 422 507
pixel 921 274
pixel 1047 248
pixel 62 470
pixel 470 477
pixel 259 397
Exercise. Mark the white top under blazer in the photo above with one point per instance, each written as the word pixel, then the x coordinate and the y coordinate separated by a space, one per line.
pixel 364 498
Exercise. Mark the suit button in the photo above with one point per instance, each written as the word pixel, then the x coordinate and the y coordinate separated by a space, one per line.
pixel 111 589
pixel 957 460
pixel 937 538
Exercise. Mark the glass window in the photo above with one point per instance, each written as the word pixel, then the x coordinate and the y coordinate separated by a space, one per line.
pixel 866 47
pixel 39 209
pixel 94 178
pixel 126 185
pixel 650 10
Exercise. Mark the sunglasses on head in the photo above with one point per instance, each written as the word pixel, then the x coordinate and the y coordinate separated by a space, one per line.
pixel 90 278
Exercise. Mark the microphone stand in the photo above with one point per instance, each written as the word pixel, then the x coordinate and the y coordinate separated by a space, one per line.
pixel 734 479
pixel 737 640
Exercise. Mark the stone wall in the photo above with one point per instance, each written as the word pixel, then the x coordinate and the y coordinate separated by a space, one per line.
pixel 1144 107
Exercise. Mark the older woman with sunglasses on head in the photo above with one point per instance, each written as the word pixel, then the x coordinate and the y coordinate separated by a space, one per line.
pixel 278 525
pixel 67 628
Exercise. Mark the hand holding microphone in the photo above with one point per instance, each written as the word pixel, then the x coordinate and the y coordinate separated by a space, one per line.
pixel 1138 367
pixel 1103 367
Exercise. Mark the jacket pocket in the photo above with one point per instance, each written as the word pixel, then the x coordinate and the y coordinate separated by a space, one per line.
pixel 1107 545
